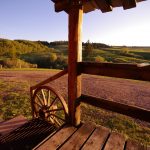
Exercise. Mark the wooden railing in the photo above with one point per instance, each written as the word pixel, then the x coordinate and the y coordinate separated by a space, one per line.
pixel 129 110
pixel 126 71
pixel 56 76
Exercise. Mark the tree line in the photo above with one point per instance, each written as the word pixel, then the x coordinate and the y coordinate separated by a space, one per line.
pixel 41 54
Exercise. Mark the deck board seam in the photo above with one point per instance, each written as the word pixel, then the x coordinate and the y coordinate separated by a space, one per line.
pixel 48 137
pixel 106 140
pixel 87 138
pixel 125 145
pixel 67 139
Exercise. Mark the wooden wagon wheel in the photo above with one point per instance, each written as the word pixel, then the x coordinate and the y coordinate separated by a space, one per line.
pixel 49 105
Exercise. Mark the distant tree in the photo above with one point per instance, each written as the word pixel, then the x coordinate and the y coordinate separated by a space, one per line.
pixel 88 48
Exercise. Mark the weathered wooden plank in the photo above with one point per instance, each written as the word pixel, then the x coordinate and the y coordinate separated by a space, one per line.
pixel 116 3
pixel 79 137
pixel 132 145
pixel 103 5
pixel 88 7
pixel 12 124
pixel 57 139
pixel 97 139
pixel 128 71
pixel 127 4
pixel 115 142
pixel 61 5
pixel 132 111
pixel 75 55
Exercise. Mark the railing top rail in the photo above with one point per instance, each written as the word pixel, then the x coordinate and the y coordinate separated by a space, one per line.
pixel 127 71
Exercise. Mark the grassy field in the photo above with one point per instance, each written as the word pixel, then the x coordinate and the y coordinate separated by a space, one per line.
pixel 15 99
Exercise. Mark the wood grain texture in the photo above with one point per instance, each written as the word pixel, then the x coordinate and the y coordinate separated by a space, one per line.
pixel 127 4
pixel 103 5
pixel 62 5
pixel 115 142
pixel 128 71
pixel 57 139
pixel 79 137
pixel 75 55
pixel 132 145
pixel 97 139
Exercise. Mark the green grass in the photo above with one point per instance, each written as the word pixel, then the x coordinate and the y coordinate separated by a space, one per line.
pixel 122 56
pixel 117 122
pixel 14 99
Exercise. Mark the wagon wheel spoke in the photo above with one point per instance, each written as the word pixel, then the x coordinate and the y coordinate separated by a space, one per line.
pixel 36 112
pixel 52 102
pixel 40 100
pixel 49 105
pixel 54 110
pixel 44 98
pixel 56 121
pixel 48 97
pixel 57 117
pixel 38 104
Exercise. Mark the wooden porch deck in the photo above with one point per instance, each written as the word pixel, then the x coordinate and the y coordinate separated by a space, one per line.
pixel 88 137
pixel 20 133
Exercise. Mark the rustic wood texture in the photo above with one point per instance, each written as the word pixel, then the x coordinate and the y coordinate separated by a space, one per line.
pixel 61 5
pixel 127 4
pixel 88 7
pixel 12 124
pixel 128 71
pixel 79 137
pixel 115 142
pixel 48 104
pixel 116 3
pixel 75 55
pixel 103 5
pixel 133 145
pixel 132 111
pixel 88 137
pixel 58 139
pixel 97 139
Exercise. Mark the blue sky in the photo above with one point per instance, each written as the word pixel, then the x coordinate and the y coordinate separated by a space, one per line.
pixel 37 20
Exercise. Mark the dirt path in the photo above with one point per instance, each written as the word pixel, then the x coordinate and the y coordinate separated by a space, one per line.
pixel 124 91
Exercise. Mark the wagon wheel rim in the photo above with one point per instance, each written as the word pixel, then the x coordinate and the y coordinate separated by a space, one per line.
pixel 49 105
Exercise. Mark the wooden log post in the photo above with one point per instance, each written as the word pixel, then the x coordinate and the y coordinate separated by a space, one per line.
pixel 75 55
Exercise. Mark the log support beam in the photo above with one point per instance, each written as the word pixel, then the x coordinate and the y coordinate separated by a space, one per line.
pixel 75 56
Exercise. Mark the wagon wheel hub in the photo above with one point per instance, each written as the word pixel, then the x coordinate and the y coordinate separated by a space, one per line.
pixel 43 112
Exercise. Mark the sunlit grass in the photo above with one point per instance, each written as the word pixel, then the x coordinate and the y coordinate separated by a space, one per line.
pixel 117 122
